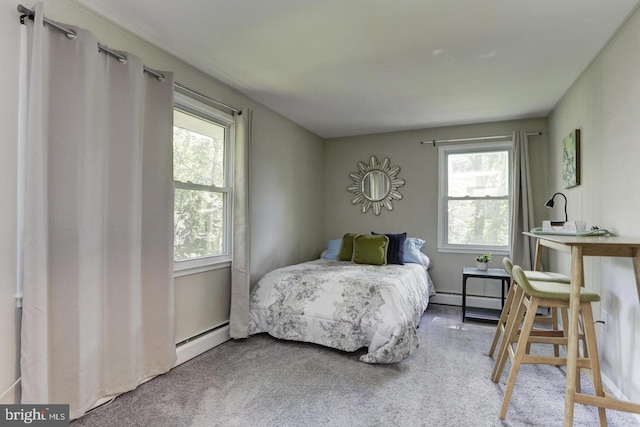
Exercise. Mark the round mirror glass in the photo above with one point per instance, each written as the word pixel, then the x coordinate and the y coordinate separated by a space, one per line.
pixel 376 185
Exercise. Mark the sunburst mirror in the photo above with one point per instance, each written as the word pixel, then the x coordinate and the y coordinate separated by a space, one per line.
pixel 375 185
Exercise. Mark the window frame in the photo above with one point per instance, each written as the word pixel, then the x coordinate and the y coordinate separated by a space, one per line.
pixel 443 152
pixel 206 112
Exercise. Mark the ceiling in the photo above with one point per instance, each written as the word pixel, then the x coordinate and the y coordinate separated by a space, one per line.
pixel 353 67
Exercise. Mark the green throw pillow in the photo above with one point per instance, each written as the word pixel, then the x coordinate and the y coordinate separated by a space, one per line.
pixel 370 249
pixel 346 249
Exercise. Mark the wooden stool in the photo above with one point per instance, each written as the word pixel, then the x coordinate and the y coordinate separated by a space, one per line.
pixel 517 302
pixel 548 294
pixel 538 276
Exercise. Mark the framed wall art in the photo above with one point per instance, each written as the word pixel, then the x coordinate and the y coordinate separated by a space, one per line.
pixel 571 159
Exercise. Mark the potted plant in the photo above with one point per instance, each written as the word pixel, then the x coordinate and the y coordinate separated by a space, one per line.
pixel 482 261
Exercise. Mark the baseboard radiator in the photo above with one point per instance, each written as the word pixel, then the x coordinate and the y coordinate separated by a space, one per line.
pixel 472 300
pixel 195 346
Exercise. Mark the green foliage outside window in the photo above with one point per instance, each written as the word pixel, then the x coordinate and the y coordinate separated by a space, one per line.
pixel 199 181
pixel 477 200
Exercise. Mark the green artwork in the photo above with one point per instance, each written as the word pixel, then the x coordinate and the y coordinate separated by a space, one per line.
pixel 571 159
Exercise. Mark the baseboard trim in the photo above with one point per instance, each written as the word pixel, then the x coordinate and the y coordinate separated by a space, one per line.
pixel 191 349
pixel 472 301
pixel 616 392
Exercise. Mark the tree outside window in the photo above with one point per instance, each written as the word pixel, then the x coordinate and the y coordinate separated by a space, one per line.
pixel 201 192
pixel 475 202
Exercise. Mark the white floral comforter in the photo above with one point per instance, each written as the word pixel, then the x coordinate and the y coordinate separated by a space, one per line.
pixel 344 305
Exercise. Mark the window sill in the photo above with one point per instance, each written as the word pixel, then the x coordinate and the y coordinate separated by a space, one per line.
pixel 186 270
pixel 474 250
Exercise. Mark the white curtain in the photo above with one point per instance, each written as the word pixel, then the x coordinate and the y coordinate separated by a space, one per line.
pixel 522 248
pixel 240 269
pixel 98 314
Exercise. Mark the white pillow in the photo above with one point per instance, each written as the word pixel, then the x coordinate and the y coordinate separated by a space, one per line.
pixel 426 261
pixel 412 250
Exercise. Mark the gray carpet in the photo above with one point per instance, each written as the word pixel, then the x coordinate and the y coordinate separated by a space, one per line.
pixel 265 382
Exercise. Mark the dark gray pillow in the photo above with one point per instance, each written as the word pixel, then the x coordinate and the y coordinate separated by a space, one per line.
pixel 395 250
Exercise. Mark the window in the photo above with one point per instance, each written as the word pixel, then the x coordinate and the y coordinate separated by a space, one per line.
pixel 202 184
pixel 475 198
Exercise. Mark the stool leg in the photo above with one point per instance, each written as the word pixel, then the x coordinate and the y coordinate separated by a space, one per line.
pixel 516 313
pixel 520 351
pixel 592 349
pixel 564 313
pixel 585 350
pixel 503 319
pixel 554 323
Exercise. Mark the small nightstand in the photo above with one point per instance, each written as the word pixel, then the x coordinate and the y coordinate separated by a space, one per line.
pixel 491 273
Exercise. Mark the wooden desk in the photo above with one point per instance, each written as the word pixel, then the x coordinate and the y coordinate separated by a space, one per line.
pixel 580 247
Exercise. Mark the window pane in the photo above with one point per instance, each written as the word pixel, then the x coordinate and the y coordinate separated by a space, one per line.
pixel 478 222
pixel 199 224
pixel 478 174
pixel 198 150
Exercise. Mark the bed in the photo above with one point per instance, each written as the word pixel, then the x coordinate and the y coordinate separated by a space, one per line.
pixel 344 305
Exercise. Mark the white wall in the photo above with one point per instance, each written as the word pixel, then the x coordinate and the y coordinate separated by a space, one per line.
pixel 286 177
pixel 417 212
pixel 286 199
pixel 605 105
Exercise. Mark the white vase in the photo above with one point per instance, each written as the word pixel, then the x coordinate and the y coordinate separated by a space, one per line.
pixel 482 265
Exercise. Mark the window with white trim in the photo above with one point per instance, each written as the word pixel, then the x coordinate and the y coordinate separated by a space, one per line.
pixel 202 184
pixel 475 198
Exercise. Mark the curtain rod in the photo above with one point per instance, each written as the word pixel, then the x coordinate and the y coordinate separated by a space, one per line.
pixel 478 138
pixel 28 13
pixel 201 95
pixel 70 34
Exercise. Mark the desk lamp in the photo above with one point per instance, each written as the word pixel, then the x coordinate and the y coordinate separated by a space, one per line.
pixel 549 204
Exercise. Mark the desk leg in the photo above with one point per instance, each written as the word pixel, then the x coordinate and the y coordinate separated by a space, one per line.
pixel 538 261
pixel 572 346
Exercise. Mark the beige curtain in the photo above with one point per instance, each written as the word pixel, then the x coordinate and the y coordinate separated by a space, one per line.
pixel 522 248
pixel 240 269
pixel 98 316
